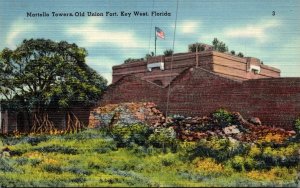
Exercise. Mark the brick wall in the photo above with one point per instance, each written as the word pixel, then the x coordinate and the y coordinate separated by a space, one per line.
pixel 133 89
pixel 276 101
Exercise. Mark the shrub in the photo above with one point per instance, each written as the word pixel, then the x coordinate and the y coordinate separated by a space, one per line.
pixel 208 166
pixel 254 151
pixel 53 168
pixel 285 155
pixel 222 117
pixel 35 162
pixel 240 163
pixel 297 126
pixel 237 163
pixel 127 135
pixel 164 138
pixel 219 149
pixel 22 160
pixel 168 161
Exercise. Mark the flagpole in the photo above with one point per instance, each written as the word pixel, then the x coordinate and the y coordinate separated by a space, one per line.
pixel 155 41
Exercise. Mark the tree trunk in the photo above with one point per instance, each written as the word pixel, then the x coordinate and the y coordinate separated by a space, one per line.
pixel 41 123
pixel 73 123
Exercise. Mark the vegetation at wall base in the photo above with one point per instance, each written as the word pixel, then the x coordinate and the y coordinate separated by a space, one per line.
pixel 139 155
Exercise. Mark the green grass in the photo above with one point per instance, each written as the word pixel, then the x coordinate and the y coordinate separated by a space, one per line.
pixel 92 158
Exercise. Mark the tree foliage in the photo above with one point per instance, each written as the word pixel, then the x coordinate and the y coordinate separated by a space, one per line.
pixel 149 55
pixel 40 73
pixel 219 45
pixel 240 54
pixel 168 52
pixel 193 47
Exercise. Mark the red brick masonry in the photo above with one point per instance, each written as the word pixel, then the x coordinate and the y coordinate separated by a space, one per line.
pixel 220 81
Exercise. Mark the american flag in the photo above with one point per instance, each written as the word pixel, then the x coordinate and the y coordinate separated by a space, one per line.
pixel 159 33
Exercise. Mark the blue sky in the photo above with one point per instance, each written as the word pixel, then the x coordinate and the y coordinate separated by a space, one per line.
pixel 246 26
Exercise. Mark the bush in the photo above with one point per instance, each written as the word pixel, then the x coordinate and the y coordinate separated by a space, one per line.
pixel 297 126
pixel 222 117
pixel 208 167
pixel 286 156
pixel 22 160
pixel 219 149
pixel 128 135
pixel 164 138
pixel 240 163
pixel 53 168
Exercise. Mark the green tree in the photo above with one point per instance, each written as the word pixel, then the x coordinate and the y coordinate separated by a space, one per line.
pixel 219 45
pixel 193 47
pixel 151 54
pixel 42 73
pixel 168 52
pixel 240 54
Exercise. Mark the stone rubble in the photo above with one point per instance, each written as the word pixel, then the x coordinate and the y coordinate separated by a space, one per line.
pixel 186 128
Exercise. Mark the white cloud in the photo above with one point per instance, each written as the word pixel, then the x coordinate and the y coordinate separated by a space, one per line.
pixel 17 31
pixel 94 32
pixel 259 32
pixel 103 65
pixel 188 26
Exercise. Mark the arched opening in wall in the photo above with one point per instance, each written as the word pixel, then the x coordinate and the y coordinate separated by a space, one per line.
pixel 158 82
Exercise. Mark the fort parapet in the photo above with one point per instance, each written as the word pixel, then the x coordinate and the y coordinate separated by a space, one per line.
pixel 227 65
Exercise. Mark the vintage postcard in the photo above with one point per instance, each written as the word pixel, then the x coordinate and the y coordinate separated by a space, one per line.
pixel 135 93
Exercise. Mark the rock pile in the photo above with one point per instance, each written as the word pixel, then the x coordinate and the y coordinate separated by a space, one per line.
pixel 126 114
pixel 186 128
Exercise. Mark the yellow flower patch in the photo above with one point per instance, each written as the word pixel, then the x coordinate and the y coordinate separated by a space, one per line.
pixel 208 165
pixel 276 173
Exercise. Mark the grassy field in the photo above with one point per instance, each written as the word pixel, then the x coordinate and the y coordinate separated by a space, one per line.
pixel 122 158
